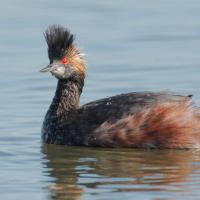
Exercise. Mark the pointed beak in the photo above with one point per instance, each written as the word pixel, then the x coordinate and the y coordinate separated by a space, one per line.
pixel 47 68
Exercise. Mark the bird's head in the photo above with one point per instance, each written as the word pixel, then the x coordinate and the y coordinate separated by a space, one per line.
pixel 65 59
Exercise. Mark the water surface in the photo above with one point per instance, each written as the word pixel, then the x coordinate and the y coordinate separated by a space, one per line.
pixel 130 46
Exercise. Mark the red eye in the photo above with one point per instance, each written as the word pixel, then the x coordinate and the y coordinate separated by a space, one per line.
pixel 64 60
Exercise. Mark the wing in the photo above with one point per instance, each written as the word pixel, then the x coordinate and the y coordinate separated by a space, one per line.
pixel 119 106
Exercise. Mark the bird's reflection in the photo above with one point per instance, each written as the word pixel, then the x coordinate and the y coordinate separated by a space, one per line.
pixel 78 170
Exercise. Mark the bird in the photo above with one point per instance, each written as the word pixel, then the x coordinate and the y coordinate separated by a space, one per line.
pixel 162 120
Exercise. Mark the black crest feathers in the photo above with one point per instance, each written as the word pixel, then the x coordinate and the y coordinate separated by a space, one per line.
pixel 58 39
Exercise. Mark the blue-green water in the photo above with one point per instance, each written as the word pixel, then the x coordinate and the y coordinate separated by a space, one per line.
pixel 130 46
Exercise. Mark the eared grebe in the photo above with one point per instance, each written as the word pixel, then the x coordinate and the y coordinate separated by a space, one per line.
pixel 144 119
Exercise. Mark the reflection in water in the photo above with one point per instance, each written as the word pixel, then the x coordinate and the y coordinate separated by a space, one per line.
pixel 81 171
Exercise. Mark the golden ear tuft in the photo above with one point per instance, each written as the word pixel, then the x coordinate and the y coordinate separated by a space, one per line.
pixel 76 60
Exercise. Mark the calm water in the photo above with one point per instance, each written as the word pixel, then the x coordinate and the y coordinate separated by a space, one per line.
pixel 131 46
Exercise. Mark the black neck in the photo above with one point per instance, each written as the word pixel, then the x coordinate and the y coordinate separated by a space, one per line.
pixel 67 96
